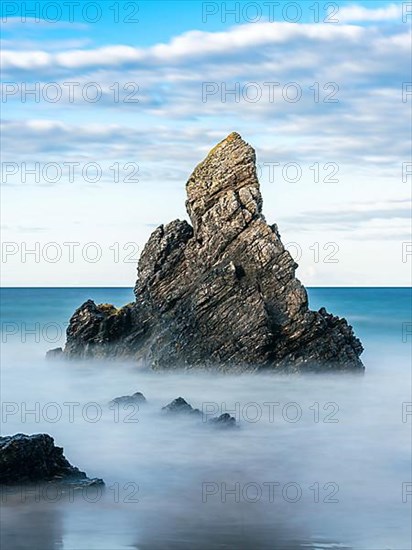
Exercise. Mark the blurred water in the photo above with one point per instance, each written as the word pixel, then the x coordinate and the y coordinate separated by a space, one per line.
pixel 317 462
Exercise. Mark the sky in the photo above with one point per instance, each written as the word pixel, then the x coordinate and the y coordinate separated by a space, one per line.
pixel 107 107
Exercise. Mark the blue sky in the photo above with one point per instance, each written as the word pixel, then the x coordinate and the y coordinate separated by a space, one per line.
pixel 160 106
pixel 148 22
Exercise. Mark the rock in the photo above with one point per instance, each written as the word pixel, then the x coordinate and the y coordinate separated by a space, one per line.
pixel 96 331
pixel 180 406
pixel 35 458
pixel 135 399
pixel 223 421
pixel 56 353
pixel 220 293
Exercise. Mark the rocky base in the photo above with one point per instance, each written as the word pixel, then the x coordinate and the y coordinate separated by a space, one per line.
pixel 220 293
pixel 35 458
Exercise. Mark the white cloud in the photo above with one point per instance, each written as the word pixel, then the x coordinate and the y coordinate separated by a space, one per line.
pixel 188 46
pixel 363 14
pixel 170 129
pixel 359 213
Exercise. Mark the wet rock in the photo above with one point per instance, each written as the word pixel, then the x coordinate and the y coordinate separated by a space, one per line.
pixel 35 458
pixel 135 399
pixel 180 406
pixel 219 293
pixel 223 421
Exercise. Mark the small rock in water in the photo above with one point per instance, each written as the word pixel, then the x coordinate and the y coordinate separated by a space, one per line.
pixel 55 353
pixel 180 406
pixel 35 458
pixel 223 421
pixel 134 399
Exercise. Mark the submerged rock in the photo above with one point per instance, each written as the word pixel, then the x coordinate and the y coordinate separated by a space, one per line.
pixel 180 406
pixel 135 399
pixel 35 458
pixel 221 292
pixel 223 421
pixel 55 353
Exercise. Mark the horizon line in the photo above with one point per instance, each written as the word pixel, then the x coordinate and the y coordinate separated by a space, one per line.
pixel 131 288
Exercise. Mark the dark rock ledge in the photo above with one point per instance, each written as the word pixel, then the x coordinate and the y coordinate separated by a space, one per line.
pixel 220 293
pixel 35 458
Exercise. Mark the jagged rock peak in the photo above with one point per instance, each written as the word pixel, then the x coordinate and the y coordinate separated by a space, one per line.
pixel 225 179
pixel 222 293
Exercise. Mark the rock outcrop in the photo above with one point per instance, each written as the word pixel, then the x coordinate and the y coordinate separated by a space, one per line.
pixel 136 399
pixel 221 292
pixel 223 421
pixel 55 353
pixel 180 407
pixel 35 458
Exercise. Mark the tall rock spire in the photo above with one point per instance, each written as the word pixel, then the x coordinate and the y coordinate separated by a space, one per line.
pixel 225 185
pixel 222 293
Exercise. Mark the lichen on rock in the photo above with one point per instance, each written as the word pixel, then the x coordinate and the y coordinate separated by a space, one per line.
pixel 219 293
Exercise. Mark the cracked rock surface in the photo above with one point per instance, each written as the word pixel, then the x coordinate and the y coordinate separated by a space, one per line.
pixel 219 293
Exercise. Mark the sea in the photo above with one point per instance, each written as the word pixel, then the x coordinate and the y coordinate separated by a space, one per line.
pixel 317 461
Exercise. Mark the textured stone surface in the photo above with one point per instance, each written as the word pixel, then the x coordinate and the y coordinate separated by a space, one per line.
pixel 30 458
pixel 220 292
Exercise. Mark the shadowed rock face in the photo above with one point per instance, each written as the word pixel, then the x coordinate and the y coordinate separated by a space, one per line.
pixel 29 458
pixel 219 293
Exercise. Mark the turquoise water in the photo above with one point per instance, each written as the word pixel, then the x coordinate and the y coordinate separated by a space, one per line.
pixel 378 315
pixel 335 450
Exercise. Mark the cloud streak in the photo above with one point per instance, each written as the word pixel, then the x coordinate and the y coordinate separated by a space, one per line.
pixel 364 60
